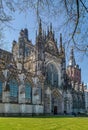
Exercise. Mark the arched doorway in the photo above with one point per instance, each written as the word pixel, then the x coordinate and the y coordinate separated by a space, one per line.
pixel 56 102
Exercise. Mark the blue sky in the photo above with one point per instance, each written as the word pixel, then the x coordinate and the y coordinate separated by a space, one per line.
pixel 29 21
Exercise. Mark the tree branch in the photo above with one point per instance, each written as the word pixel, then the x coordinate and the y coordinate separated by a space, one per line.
pixel 84 6
pixel 77 19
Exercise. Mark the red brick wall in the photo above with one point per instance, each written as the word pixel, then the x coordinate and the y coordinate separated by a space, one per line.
pixel 74 74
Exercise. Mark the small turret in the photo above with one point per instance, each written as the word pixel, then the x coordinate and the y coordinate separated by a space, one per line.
pixel 24 33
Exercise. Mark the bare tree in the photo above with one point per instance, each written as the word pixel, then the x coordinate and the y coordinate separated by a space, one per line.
pixel 74 12
pixel 7 8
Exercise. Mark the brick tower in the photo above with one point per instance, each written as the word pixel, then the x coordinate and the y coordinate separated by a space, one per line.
pixel 73 70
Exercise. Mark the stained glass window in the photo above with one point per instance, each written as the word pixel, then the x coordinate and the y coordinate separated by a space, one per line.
pixel 28 91
pixel 13 88
pixel 52 75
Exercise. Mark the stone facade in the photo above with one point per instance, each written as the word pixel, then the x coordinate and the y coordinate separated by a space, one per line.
pixel 86 99
pixel 34 79
pixel 76 87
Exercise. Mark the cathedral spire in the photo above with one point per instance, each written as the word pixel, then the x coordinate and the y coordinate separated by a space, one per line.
pixel 40 27
pixel 72 58
pixel 39 36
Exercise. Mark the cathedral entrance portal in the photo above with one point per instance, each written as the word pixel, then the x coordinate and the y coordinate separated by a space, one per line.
pixel 56 102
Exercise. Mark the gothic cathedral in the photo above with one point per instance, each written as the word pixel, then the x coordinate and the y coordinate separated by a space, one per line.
pixel 34 79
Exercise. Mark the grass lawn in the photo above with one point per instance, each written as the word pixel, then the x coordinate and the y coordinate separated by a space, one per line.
pixel 51 123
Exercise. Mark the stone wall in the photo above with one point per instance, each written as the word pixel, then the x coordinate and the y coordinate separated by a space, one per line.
pixel 20 109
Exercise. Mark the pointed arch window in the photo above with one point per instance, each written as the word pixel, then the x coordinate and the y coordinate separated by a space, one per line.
pixel 28 92
pixel 13 90
pixel 52 75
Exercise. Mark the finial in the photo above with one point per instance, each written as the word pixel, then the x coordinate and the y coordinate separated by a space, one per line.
pixel 50 27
